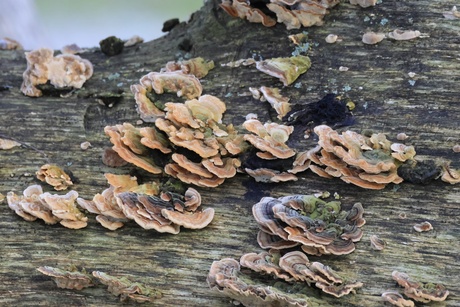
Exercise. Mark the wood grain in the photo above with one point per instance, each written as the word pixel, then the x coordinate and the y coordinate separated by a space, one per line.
pixel 52 128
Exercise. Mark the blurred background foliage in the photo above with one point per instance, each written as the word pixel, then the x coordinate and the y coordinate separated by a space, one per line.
pixel 55 23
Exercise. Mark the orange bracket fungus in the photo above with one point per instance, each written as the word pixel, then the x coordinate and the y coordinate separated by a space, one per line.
pixel 319 227
pixel 367 162
pixel 126 289
pixel 419 291
pixel 285 69
pixel 64 70
pixel 136 145
pixel 71 279
pixel 48 207
pixel 54 176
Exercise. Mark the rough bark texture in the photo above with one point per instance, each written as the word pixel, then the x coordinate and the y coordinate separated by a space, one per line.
pixel 52 128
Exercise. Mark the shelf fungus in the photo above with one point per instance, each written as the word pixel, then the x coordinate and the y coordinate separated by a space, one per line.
pixel 64 70
pixel 272 95
pixel 51 208
pixel 292 13
pixel 54 176
pixel 402 35
pixel 167 212
pixel 198 67
pixel 138 145
pixel 7 43
pixel 270 141
pixel 294 267
pixel 452 14
pixel 68 279
pixel 126 289
pixel 159 82
pixel 372 38
pixel 319 227
pixel 419 291
pixel 364 3
pixel 285 69
pixel 196 127
pixel 396 299
pixel 226 278
pixel 105 205
pixel 423 227
pixel 8 144
pixel 367 162
pixel 450 175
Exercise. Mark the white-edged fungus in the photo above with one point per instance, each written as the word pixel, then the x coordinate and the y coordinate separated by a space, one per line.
pixel 64 70
pixel 401 35
pixel 372 38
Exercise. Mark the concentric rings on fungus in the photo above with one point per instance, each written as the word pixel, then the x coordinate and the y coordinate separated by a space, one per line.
pixel 320 227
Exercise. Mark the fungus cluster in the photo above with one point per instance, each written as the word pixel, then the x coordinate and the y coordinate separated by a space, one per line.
pixel 64 70
pixel 292 13
pixel 125 200
pixel 270 141
pixel 419 291
pixel 319 227
pixel 196 127
pixel 122 287
pixel 368 162
pixel 181 78
pixel 54 176
pixel 226 277
pixel 137 145
pixel 51 208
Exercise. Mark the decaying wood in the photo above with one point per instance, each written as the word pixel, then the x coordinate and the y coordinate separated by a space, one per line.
pixel 52 128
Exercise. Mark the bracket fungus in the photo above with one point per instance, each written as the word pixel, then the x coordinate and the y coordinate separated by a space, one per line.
pixel 364 3
pixel 367 162
pixel 293 14
pixel 450 175
pixel 272 95
pixel 136 145
pixel 68 279
pixel 401 35
pixel 285 69
pixel 126 289
pixel 8 144
pixel 54 176
pixel 372 38
pixel 165 214
pixel 198 67
pixel 419 291
pixel 64 70
pixel 48 207
pixel 294 267
pixel 7 43
pixel 320 227
pixel 160 82
pixel 396 299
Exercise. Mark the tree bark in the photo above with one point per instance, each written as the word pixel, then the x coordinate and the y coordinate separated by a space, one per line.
pixel 387 99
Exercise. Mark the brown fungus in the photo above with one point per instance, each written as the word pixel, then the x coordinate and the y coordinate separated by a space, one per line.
pixel 285 69
pixel 54 176
pixel 68 279
pixel 396 299
pixel 364 161
pixel 130 143
pixel 64 70
pixel 64 208
pixel 419 291
pixel 272 95
pixel 126 289
pixel 243 10
pixel 450 175
pixel 364 3
pixel 8 144
pixel 423 227
pixel 198 67
pixel 319 226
